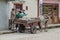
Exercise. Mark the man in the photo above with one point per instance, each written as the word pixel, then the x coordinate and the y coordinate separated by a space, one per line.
pixel 46 21
pixel 13 14
pixel 43 22
pixel 21 27
pixel 21 14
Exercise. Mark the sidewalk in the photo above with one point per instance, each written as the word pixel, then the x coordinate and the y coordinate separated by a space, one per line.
pixel 49 26
pixel 52 34
pixel 53 25
pixel 6 32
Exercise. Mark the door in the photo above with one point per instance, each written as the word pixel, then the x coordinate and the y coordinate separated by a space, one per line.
pixel 52 11
pixel 18 6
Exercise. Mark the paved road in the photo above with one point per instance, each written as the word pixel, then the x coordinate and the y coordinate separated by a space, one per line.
pixel 52 34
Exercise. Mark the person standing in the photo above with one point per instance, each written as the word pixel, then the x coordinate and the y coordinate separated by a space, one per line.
pixel 13 15
pixel 21 14
pixel 46 21
pixel 43 22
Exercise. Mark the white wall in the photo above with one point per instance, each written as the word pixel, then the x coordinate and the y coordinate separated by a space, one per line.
pixel 32 8
pixel 4 15
pixel 9 8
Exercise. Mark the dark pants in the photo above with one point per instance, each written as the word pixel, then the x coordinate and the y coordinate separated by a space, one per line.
pixel 16 26
pixel 39 25
pixel 46 25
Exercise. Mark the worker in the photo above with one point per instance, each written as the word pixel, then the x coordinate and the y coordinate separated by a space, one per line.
pixel 21 14
pixel 13 14
pixel 43 22
pixel 21 27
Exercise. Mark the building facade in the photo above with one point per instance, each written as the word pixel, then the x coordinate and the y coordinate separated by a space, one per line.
pixel 5 8
pixel 52 8
pixel 32 8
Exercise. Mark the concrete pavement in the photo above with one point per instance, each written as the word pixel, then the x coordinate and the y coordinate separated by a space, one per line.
pixel 49 26
pixel 52 34
pixel 6 32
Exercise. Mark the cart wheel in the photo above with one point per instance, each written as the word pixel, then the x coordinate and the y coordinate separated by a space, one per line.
pixel 33 30
pixel 21 28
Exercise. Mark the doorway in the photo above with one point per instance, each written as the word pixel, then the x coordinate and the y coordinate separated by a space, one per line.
pixel 18 6
pixel 52 11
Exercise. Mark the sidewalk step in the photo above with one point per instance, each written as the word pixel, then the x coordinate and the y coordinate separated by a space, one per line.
pixel 6 32
pixel 52 25
pixel 49 26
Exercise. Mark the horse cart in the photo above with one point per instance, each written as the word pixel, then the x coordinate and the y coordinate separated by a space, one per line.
pixel 32 23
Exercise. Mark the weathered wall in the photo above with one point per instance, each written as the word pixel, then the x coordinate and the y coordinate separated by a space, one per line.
pixel 50 1
pixel 4 15
pixel 32 8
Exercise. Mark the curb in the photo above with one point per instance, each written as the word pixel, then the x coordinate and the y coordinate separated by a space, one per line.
pixel 51 27
pixel 9 32
pixel 6 33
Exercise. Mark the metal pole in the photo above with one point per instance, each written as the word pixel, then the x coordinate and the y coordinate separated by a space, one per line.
pixel 41 6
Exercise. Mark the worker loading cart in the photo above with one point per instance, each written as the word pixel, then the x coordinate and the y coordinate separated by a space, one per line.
pixel 31 23
pixel 20 14
pixel 20 23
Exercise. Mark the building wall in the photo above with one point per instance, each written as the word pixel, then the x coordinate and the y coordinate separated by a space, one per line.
pixel 3 16
pixel 52 1
pixel 32 8
pixel 5 9
pixel 9 8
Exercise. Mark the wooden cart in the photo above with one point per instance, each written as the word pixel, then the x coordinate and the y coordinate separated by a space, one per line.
pixel 32 23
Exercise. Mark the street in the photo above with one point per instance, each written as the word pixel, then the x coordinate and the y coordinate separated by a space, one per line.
pixel 52 34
